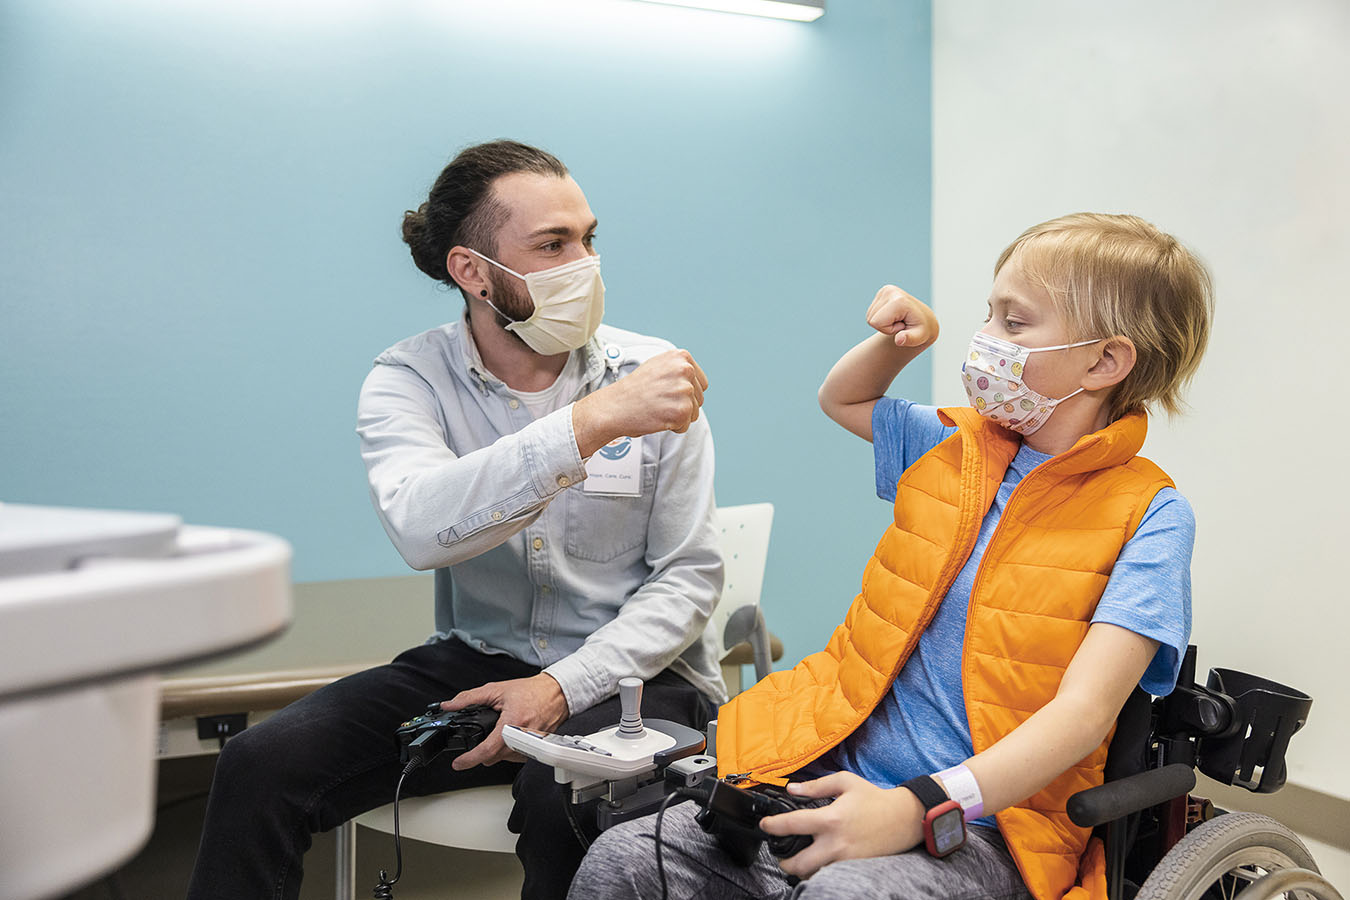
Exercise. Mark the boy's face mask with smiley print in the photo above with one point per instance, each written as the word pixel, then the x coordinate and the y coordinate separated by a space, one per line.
pixel 992 375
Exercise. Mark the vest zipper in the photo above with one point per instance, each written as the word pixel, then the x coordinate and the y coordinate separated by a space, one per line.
pixel 1036 475
pixel 921 626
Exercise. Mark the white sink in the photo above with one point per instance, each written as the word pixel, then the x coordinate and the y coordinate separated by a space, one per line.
pixel 92 605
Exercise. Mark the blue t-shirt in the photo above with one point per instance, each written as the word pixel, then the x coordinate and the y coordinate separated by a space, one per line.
pixel 920 727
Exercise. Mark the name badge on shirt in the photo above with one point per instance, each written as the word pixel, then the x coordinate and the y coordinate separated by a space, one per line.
pixel 616 469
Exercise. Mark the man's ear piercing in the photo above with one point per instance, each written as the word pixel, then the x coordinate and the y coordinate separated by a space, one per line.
pixel 482 293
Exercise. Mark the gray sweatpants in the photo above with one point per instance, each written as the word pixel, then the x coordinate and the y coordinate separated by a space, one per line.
pixel 622 863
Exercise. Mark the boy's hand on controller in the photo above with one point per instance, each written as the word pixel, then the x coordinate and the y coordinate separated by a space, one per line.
pixel 863 821
pixel 909 321
pixel 536 702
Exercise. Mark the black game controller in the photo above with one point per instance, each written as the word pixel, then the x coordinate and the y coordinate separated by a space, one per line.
pixel 437 731
pixel 732 815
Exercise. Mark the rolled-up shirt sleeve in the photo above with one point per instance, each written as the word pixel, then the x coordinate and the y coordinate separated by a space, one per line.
pixel 440 508
pixel 902 431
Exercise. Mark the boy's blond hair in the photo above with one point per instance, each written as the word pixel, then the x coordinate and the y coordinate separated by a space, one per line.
pixel 1120 275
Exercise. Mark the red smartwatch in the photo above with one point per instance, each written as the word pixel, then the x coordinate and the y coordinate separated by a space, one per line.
pixel 944 824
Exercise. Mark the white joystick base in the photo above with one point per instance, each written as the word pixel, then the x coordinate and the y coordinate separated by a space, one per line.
pixel 624 751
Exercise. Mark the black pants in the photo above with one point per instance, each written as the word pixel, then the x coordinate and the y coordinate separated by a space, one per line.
pixel 333 755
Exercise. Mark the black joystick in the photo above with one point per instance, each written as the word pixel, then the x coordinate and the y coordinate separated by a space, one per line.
pixel 732 815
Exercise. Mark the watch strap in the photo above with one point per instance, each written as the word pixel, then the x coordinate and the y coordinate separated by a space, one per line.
pixel 929 792
pixel 938 808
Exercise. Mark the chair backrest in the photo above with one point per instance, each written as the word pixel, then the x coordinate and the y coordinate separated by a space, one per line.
pixel 744 539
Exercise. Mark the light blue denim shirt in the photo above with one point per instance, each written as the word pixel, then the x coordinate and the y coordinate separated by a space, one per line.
pixel 591 588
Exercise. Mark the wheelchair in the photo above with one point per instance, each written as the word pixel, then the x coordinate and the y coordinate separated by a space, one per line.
pixel 1163 844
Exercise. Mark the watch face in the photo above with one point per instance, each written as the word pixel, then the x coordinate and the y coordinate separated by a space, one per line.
pixel 949 832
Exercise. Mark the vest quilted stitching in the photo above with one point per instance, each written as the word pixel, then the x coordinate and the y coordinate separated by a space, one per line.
pixel 1035 591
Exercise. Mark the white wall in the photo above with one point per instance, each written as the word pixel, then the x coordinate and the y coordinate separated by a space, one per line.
pixel 1225 123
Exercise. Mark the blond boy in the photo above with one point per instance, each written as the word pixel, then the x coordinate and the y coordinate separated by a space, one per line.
pixel 1037 570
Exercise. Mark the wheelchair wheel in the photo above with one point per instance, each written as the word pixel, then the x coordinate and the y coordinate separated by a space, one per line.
pixel 1223 857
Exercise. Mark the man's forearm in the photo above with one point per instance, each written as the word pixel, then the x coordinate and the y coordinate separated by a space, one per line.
pixel 592 424
pixel 440 509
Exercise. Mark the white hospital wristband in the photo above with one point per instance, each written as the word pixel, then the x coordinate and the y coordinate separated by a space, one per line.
pixel 962 787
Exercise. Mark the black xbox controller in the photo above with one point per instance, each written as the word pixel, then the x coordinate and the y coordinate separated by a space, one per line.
pixel 437 731
pixel 732 814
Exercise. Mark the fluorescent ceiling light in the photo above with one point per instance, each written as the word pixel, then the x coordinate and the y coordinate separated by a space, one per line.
pixel 798 10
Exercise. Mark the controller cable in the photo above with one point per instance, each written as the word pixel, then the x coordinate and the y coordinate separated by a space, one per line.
pixel 682 794
pixel 385 889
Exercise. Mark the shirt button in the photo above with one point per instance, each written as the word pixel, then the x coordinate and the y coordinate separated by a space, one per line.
pixel 513 403
pixel 496 515
pixel 539 543
pixel 563 481
pixel 545 589
pixel 543 644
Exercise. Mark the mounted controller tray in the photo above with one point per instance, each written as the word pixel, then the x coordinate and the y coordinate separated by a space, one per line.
pixel 624 764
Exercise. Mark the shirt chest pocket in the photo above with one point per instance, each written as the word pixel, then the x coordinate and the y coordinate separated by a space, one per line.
pixel 602 527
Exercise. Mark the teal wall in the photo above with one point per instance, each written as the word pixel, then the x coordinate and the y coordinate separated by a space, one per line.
pixel 199 220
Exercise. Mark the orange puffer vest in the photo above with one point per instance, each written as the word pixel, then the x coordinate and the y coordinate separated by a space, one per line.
pixel 1037 585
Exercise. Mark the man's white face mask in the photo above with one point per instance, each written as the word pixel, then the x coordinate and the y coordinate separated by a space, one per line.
pixel 569 302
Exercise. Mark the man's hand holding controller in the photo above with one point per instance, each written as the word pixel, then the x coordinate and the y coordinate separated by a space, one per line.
pixel 534 702
pixel 662 394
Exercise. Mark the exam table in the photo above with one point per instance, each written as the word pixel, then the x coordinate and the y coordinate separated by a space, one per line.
pixel 93 604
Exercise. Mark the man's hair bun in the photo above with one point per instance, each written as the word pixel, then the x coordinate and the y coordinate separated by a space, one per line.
pixel 416 235
pixel 461 210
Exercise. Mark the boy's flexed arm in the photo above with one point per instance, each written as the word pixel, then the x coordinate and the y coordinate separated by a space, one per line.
pixel 906 327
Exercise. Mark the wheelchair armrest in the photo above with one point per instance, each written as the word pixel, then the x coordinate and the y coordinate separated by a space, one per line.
pixel 1117 799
